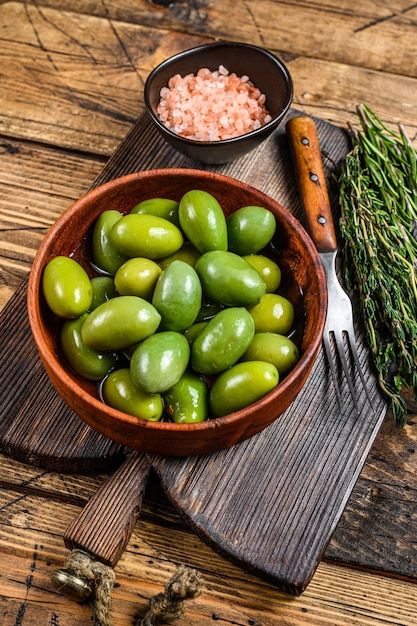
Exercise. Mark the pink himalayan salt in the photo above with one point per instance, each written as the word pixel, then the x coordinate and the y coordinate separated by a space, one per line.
pixel 212 106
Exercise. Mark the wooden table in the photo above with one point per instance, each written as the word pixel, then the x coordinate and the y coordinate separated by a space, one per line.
pixel 71 85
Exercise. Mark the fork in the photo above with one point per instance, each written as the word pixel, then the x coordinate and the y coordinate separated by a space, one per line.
pixel 305 151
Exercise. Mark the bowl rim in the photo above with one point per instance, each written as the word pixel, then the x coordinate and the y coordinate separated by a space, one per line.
pixel 201 48
pixel 51 360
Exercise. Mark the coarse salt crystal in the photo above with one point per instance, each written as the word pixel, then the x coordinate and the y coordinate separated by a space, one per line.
pixel 212 106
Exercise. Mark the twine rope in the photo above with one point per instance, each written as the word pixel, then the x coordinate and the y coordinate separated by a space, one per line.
pixel 101 577
pixel 185 584
pixel 167 606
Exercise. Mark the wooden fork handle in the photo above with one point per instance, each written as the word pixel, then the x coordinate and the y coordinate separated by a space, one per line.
pixel 106 523
pixel 306 156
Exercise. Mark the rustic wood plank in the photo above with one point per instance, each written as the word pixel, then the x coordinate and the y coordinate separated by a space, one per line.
pixel 90 72
pixel 104 527
pixel 377 527
pixel 324 88
pixel 115 164
pixel 87 72
pixel 333 92
pixel 378 36
pixel 36 185
pixel 378 524
pixel 304 500
pixel 31 544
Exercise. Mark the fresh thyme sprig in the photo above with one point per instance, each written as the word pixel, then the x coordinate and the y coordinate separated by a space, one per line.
pixel 378 201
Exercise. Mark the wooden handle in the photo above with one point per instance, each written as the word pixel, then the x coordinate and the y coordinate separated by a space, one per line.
pixel 105 525
pixel 305 151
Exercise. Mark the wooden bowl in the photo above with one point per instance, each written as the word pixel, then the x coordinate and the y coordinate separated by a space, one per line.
pixel 303 283
pixel 265 70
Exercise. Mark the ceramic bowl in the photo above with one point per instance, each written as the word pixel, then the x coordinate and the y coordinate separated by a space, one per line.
pixel 265 71
pixel 303 283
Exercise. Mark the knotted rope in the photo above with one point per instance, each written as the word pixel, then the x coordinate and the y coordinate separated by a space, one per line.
pixel 165 607
pixel 102 579
pixel 185 584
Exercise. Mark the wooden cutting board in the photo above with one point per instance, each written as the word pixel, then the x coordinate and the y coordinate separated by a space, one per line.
pixel 270 504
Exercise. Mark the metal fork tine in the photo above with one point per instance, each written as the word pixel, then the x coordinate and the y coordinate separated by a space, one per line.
pixel 330 360
pixel 342 356
pixel 359 369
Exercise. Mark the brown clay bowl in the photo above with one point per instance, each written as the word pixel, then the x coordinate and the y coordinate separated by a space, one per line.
pixel 264 69
pixel 303 283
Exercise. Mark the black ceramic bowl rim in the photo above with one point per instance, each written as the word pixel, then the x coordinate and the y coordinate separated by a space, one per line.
pixel 262 130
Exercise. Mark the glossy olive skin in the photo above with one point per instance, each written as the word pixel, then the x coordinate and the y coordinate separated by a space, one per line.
pixel 192 332
pixel 222 341
pixel 177 296
pixel 103 290
pixel 249 229
pixel 159 361
pixel 162 207
pixel 187 253
pixel 273 313
pixel 89 363
pixel 66 287
pixel 228 279
pixel 146 235
pixel 203 221
pixel 277 349
pixel 119 323
pixel 187 401
pixel 105 255
pixel 137 277
pixel 269 271
pixel 120 392
pixel 241 385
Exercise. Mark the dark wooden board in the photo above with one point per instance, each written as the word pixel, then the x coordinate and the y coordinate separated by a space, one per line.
pixel 269 504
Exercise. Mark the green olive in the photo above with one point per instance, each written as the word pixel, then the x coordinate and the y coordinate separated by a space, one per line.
pixel 273 313
pixel 194 330
pixel 66 287
pixel 105 255
pixel 241 385
pixel 137 277
pixel 177 296
pixel 119 323
pixel 159 361
pixel 127 352
pixel 145 235
pixel 188 253
pixel 273 348
pixel 103 290
pixel 269 271
pixel 120 392
pixel 162 207
pixel 89 363
pixel 203 221
pixel 250 229
pixel 223 341
pixel 228 279
pixel 187 401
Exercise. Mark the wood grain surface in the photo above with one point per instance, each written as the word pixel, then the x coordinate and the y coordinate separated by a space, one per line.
pixel 270 504
pixel 71 85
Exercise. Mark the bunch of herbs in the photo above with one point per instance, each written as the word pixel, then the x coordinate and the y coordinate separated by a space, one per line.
pixel 378 201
